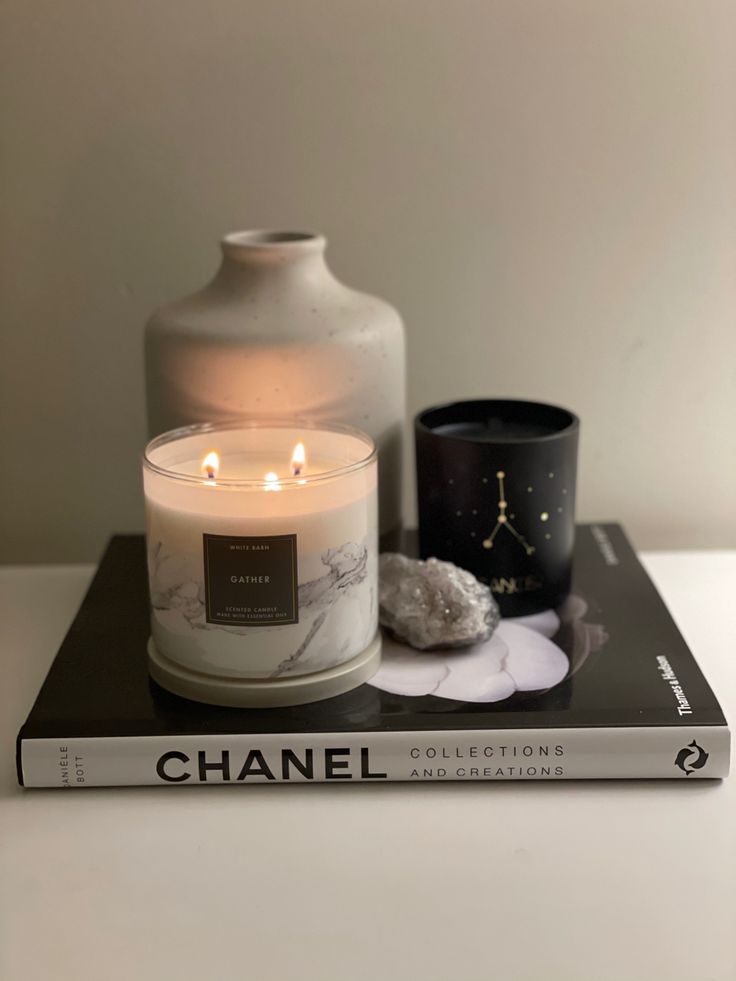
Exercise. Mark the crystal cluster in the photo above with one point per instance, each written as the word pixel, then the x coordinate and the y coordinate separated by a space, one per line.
pixel 434 604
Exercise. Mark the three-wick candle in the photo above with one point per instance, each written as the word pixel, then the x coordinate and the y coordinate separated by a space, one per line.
pixel 262 555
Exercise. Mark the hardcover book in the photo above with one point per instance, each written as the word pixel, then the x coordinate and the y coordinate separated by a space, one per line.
pixel 602 687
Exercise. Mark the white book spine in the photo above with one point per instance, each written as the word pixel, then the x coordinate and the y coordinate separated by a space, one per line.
pixel 686 753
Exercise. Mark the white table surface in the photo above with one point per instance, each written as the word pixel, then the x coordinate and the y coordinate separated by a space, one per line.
pixel 578 881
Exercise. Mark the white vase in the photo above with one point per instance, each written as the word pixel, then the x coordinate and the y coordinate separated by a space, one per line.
pixel 276 336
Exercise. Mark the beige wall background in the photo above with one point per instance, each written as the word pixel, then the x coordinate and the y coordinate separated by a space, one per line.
pixel 546 190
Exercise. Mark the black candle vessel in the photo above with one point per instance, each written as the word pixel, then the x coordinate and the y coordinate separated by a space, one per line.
pixel 496 488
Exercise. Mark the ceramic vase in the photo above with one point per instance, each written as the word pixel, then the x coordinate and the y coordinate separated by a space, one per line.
pixel 276 336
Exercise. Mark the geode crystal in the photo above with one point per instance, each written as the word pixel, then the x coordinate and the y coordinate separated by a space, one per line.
pixel 434 604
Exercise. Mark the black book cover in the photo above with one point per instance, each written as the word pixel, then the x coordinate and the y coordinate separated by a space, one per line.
pixel 625 665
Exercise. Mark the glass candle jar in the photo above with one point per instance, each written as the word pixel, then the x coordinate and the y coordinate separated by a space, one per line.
pixel 262 557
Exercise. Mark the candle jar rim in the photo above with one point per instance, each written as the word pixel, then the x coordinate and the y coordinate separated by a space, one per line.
pixel 569 426
pixel 207 428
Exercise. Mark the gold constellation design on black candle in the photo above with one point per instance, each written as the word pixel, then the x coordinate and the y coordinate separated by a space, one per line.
pixel 502 520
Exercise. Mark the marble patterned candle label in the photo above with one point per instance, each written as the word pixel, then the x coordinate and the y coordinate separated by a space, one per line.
pixel 251 581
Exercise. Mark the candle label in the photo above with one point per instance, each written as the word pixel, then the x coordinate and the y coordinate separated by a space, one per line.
pixel 251 582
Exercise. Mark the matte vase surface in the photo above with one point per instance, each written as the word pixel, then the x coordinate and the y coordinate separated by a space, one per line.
pixel 276 335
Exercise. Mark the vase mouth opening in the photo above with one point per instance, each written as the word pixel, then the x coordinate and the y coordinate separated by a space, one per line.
pixel 265 240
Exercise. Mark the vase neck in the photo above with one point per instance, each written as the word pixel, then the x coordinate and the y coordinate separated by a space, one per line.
pixel 254 256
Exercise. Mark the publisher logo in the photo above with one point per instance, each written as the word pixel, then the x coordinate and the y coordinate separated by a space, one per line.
pixel 691 757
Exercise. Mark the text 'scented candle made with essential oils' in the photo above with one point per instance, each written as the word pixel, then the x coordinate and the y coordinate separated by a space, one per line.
pixel 262 557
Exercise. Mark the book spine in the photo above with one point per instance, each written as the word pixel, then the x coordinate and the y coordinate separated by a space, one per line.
pixel 532 754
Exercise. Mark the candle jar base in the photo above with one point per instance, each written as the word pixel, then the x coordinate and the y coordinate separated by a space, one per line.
pixel 264 693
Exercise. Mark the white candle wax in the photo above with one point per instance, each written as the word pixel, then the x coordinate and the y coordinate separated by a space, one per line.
pixel 255 578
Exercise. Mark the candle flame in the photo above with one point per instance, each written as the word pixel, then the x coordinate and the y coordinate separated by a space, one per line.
pixel 272 481
pixel 298 460
pixel 211 465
